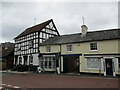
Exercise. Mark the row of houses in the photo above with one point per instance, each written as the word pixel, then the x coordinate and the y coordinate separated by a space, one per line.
pixel 86 52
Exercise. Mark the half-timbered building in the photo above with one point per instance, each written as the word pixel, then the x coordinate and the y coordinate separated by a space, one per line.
pixel 26 51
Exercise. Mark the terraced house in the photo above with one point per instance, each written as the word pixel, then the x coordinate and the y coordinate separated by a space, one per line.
pixel 85 52
pixel 27 43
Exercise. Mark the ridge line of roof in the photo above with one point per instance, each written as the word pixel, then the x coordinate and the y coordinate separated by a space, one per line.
pixel 92 31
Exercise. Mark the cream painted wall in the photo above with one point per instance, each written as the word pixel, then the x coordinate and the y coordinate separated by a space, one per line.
pixel 75 47
pixel 104 47
pixel 54 49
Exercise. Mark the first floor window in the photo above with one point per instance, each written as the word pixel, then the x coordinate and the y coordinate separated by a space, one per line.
pixel 93 63
pixel 69 47
pixel 48 49
pixel 47 62
pixel 30 44
pixel 93 46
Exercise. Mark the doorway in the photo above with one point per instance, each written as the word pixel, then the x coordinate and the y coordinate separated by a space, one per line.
pixel 109 67
pixel 70 64
pixel 16 60
pixel 25 60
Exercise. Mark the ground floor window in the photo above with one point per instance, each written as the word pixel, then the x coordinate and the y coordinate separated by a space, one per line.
pixel 93 63
pixel 20 60
pixel 47 62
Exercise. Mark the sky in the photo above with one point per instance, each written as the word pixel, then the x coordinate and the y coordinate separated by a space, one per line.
pixel 67 16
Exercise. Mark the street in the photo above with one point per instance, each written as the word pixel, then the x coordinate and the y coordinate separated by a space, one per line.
pixel 57 81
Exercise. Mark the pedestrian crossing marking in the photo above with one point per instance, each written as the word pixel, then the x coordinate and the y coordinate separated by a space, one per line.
pixel 8 86
pixel 16 87
pixel 1 88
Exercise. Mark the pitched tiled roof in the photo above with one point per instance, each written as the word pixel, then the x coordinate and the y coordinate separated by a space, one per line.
pixel 90 36
pixel 34 28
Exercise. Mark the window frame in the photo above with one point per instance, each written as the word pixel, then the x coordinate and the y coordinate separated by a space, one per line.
pixel 90 47
pixel 69 48
pixel 48 48
pixel 101 67
pixel 45 62
pixel 30 44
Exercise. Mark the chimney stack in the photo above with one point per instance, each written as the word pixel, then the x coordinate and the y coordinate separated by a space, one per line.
pixel 84 30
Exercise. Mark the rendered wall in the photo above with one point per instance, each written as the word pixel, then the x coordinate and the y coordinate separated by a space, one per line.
pixel 54 49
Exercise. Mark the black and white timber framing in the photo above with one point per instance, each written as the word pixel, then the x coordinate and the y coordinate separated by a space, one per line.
pixel 26 49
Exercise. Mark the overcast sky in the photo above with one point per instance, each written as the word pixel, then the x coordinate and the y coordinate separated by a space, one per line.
pixel 67 16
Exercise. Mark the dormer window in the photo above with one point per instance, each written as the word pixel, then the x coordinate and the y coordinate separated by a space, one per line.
pixel 93 47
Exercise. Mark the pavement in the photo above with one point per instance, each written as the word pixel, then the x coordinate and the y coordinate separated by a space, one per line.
pixel 9 72
pixel 48 73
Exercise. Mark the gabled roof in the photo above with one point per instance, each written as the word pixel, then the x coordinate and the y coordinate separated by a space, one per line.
pixel 90 36
pixel 35 28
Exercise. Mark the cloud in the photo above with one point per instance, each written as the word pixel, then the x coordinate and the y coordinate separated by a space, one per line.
pixel 17 16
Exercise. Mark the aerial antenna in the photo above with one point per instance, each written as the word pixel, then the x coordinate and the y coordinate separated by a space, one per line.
pixel 34 21
pixel 83 20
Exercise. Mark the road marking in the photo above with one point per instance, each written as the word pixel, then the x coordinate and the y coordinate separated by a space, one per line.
pixel 9 85
pixel 3 84
pixel 16 87
pixel 1 88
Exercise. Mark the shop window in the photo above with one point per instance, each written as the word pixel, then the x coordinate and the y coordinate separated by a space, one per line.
pixel 47 62
pixel 93 63
pixel 93 46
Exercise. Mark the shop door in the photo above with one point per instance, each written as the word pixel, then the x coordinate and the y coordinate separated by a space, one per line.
pixel 109 67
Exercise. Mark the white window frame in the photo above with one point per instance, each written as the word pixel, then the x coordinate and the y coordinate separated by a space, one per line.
pixel 31 44
pixel 69 48
pixel 93 68
pixel 47 59
pixel 90 46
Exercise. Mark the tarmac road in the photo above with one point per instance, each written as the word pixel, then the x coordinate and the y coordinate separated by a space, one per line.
pixel 58 81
